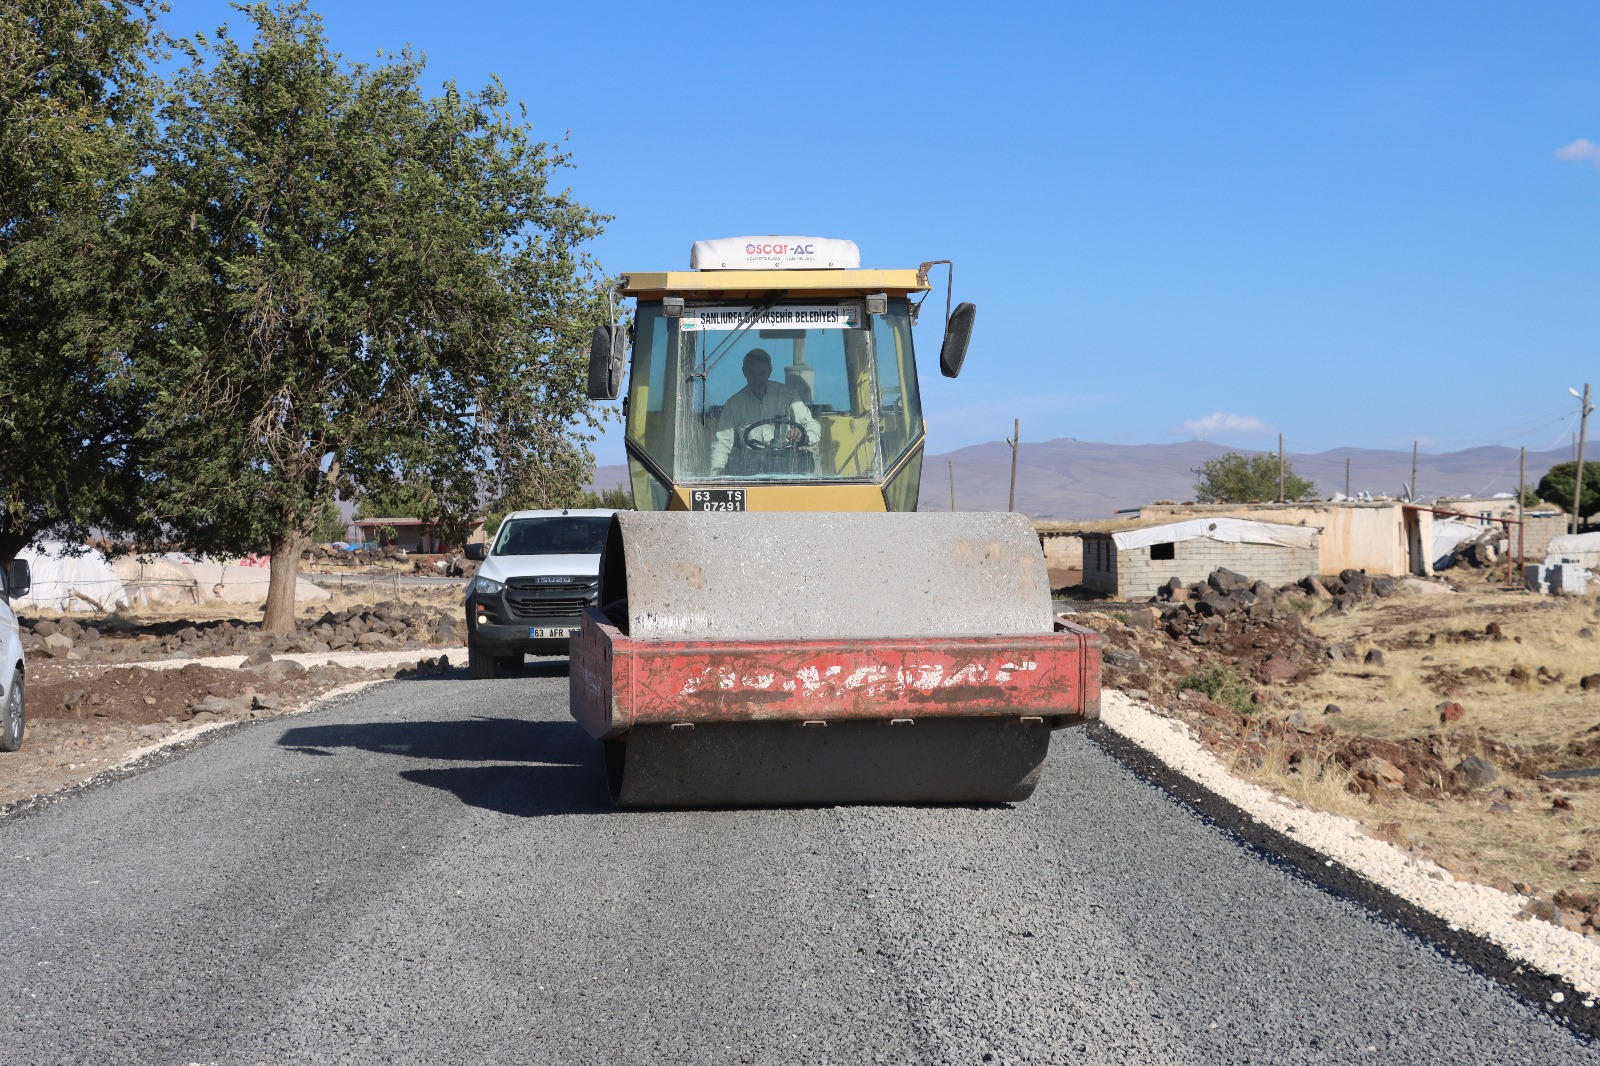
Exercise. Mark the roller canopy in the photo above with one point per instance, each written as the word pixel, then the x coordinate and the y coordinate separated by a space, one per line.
pixel 799 576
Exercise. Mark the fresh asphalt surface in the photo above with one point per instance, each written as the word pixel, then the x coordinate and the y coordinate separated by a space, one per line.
pixel 428 872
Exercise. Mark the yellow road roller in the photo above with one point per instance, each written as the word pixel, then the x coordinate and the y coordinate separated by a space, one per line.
pixel 777 624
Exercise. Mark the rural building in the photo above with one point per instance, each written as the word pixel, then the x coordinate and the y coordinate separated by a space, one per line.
pixel 1133 563
pixel 1389 537
pixel 1538 527
pixel 410 534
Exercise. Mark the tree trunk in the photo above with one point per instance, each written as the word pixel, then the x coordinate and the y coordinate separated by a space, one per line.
pixel 279 616
pixel 10 544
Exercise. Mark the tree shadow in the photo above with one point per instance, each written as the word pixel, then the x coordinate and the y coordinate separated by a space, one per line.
pixel 557 667
pixel 479 739
pixel 535 768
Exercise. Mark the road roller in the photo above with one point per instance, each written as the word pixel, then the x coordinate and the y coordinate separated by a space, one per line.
pixel 776 623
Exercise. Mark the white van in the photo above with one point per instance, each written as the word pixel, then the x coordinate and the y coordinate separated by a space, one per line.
pixel 539 573
pixel 13 708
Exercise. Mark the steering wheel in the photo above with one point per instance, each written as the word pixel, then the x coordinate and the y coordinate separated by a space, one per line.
pixel 780 442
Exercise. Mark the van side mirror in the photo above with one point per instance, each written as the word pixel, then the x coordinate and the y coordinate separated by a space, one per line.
pixel 21 578
pixel 475 552
pixel 607 354
pixel 957 335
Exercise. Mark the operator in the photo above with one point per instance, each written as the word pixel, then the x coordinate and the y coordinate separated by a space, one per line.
pixel 751 447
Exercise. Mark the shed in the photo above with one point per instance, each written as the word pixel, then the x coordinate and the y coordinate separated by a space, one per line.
pixel 410 534
pixel 1134 563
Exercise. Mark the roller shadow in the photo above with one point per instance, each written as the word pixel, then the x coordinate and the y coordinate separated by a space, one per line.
pixel 538 768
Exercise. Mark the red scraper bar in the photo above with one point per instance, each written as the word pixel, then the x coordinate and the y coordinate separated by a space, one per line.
pixel 618 683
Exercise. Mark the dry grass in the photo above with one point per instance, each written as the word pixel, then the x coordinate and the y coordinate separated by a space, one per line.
pixel 1322 786
pixel 1437 649
pixel 1542 636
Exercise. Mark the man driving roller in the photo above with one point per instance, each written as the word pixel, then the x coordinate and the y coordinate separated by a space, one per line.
pixel 765 427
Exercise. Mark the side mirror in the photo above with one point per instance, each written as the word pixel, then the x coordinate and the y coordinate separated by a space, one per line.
pixel 607 354
pixel 21 578
pixel 475 552
pixel 957 335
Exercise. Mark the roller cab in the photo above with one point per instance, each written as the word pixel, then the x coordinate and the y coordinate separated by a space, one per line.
pixel 776 624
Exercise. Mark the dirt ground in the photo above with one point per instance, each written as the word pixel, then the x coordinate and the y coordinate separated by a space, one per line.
pixel 91 705
pixel 1446 721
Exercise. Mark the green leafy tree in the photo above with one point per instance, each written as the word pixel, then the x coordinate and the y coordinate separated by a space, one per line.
pixel 74 111
pixel 358 284
pixel 395 501
pixel 1557 485
pixel 1235 478
pixel 617 498
pixel 331 525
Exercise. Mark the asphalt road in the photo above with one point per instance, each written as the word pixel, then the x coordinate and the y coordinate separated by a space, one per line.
pixel 428 872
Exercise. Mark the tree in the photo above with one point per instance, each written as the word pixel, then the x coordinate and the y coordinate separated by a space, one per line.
pixel 74 111
pixel 331 525
pixel 1235 478
pixel 1557 485
pixel 358 284
pixel 395 501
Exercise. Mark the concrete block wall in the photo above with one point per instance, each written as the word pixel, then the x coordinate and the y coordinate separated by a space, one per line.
pixel 1100 564
pixel 1135 576
pixel 1537 533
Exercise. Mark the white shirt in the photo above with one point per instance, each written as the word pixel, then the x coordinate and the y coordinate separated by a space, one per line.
pixel 780 401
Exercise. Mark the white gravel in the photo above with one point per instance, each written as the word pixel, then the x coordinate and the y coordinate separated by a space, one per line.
pixel 367 660
pixel 1484 911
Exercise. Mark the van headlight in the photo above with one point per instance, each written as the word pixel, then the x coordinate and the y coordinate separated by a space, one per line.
pixel 488 586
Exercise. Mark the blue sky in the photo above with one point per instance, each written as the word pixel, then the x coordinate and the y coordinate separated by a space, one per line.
pixel 1360 224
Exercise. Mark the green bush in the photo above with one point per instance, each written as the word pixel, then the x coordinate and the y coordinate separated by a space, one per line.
pixel 1222 685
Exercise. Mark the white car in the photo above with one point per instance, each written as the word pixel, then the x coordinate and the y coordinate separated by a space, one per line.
pixel 13 707
pixel 539 573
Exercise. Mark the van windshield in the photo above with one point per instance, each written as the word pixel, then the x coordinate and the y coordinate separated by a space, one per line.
pixel 563 535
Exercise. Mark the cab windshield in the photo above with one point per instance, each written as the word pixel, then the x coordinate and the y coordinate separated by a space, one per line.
pixel 564 535
pixel 775 390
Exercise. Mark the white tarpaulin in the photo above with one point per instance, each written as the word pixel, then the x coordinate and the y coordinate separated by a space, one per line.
pixel 1448 533
pixel 150 582
pixel 1227 530
pixel 63 582
pixel 234 583
pixel 1584 547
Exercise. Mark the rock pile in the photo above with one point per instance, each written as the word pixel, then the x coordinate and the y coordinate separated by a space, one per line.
pixel 323 553
pixel 386 626
pixel 1479 553
pixel 1343 593
pixel 1244 621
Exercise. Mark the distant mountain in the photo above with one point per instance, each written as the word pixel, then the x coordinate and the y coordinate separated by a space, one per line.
pixel 1067 478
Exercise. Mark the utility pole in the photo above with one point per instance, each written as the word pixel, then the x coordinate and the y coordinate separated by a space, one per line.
pixel 952 463
pixel 1583 432
pixel 1414 494
pixel 1522 493
pixel 1280 467
pixel 1015 441
pixel 1347 477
